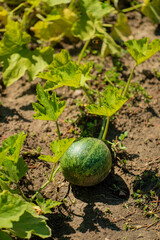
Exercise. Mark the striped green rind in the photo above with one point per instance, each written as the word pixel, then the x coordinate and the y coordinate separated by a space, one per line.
pixel 86 162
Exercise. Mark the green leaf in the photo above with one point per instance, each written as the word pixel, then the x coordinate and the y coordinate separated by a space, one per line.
pixel 33 62
pixel 49 107
pixel 56 25
pixel 121 30
pixel 52 3
pixel 91 12
pixel 17 58
pixel 11 208
pixel 123 136
pixel 112 101
pixel 3 15
pixel 96 9
pixel 22 168
pixel 58 147
pixel 64 72
pixel 4 236
pixel 14 39
pixel 12 170
pixel 152 10
pixel 47 205
pixel 12 146
pixel 31 223
pixel 109 46
pixel 141 49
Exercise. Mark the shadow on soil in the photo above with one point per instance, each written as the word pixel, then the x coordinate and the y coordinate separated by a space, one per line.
pixel 6 112
pixel 147 182
pixel 113 190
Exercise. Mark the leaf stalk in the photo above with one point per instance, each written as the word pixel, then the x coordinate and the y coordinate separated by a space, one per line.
pixel 83 50
pixel 106 129
pixel 128 82
pixel 59 134
pixel 53 173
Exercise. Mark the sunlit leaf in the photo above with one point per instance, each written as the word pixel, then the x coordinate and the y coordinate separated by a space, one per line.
pixel 52 3
pixel 13 144
pixel 56 26
pixel 47 205
pixel 152 10
pixel 58 147
pixel 3 15
pixel 121 30
pixel 17 58
pixel 65 72
pixel 31 223
pixel 141 49
pixel 11 208
pixel 14 39
pixel 112 101
pixel 49 107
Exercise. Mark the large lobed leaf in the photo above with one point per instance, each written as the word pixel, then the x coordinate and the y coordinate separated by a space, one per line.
pixel 49 107
pixel 121 30
pixel 19 216
pixel 64 72
pixel 11 208
pixel 141 49
pixel 56 25
pixel 152 10
pixel 91 12
pixel 17 58
pixel 58 147
pixel 112 101
pixel 12 165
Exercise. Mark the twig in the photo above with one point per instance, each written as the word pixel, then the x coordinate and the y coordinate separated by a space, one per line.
pixel 118 220
pixel 152 224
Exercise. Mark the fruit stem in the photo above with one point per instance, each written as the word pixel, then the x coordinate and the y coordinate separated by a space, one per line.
pixel 105 130
pixel 59 134
pixel 102 128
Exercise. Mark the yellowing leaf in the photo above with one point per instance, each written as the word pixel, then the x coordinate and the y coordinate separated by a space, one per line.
pixel 112 101
pixel 55 26
pixel 64 72
pixel 141 49
pixel 58 147
pixel 152 10
pixel 121 30
pixel 17 58
pixel 3 15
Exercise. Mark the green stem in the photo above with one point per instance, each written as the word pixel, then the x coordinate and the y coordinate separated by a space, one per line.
pixel 105 130
pixel 102 128
pixel 72 4
pixel 133 8
pixel 22 194
pixel 88 95
pixel 36 3
pixel 59 134
pixel 128 82
pixel 18 7
pixel 53 173
pixel 82 51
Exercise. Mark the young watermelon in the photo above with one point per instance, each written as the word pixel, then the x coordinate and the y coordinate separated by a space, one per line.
pixel 86 162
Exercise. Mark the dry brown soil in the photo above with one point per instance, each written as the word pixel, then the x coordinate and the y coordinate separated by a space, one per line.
pixel 106 211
